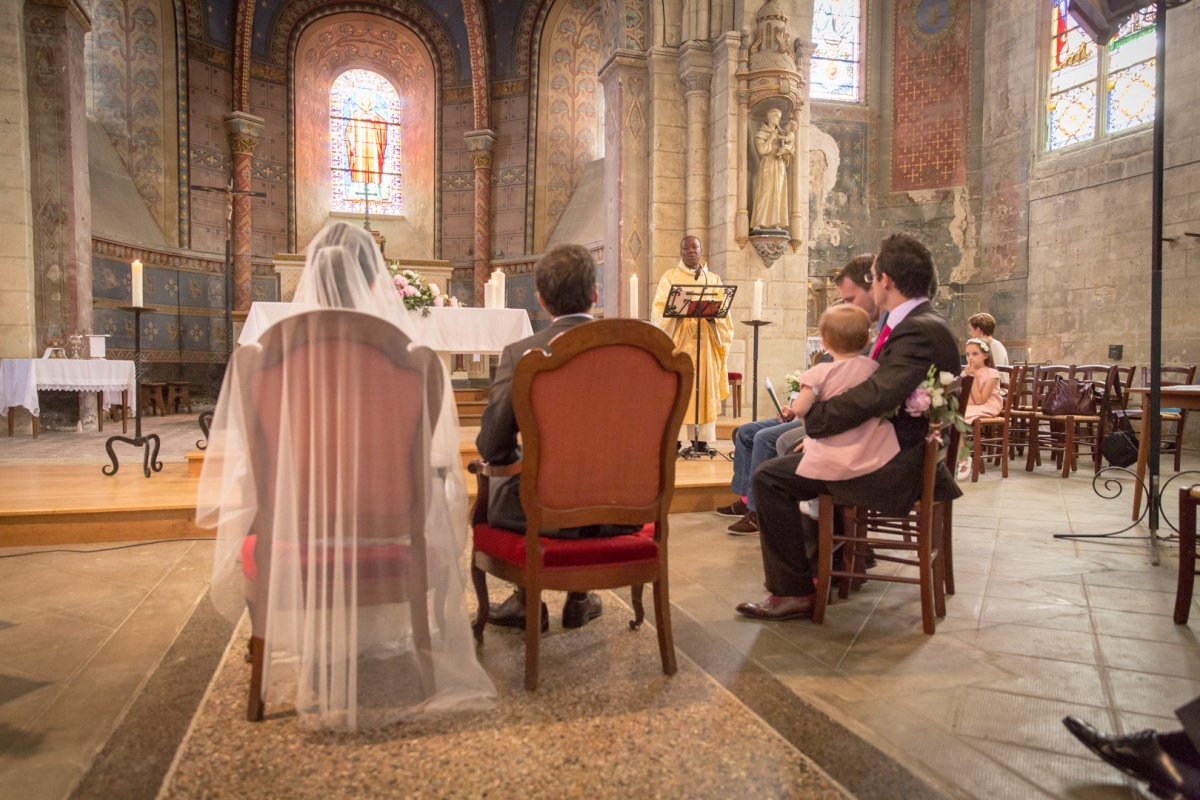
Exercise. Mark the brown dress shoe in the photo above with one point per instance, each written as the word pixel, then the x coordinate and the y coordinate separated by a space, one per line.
pixel 581 608
pixel 777 608
pixel 511 613
pixel 745 526
pixel 735 509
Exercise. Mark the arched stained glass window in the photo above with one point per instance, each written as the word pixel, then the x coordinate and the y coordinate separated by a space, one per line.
pixel 364 144
pixel 1096 90
pixel 837 50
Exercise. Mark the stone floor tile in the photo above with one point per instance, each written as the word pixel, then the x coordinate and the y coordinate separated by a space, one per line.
pixel 1035 641
pixel 1045 612
pixel 1019 719
pixel 1111 622
pixel 1049 678
pixel 1180 661
pixel 1150 693
pixel 1133 600
pixel 1061 776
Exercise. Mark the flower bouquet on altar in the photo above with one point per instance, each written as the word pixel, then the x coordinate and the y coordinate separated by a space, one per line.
pixel 419 293
pixel 937 399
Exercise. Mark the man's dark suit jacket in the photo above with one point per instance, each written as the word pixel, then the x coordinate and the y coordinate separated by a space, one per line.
pixel 922 338
pixel 497 439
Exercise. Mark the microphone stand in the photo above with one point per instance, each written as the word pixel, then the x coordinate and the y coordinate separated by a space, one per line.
pixel 694 451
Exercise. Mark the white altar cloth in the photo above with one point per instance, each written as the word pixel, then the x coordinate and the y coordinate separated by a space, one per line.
pixel 20 379
pixel 449 330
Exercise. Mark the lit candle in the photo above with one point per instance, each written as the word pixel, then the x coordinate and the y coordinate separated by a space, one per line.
pixel 501 297
pixel 137 282
pixel 633 296
pixel 756 308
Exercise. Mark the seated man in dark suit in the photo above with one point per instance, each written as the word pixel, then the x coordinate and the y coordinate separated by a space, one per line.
pixel 566 287
pixel 915 337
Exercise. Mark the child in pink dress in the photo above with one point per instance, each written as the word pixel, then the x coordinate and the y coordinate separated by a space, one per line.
pixel 845 331
pixel 985 399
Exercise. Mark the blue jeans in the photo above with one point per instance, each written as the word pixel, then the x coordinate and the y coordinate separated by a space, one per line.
pixel 754 444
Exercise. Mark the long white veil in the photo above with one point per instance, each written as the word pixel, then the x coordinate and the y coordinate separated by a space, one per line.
pixel 346 667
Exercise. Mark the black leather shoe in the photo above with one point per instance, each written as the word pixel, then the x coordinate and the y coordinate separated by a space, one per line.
pixel 581 608
pixel 1144 756
pixel 776 608
pixel 511 613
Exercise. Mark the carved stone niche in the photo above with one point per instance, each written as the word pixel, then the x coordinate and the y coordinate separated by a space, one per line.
pixel 771 96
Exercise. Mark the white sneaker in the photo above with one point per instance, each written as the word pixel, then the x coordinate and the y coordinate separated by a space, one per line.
pixel 964 469
pixel 809 508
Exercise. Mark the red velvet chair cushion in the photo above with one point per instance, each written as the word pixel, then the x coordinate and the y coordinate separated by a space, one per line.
pixel 510 547
pixel 735 376
pixel 370 559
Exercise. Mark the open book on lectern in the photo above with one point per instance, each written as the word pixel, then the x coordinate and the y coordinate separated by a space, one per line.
pixel 697 301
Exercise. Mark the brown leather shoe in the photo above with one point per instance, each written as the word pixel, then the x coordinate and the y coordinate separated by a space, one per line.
pixel 776 608
pixel 511 613
pixel 745 526
pixel 581 608
pixel 735 509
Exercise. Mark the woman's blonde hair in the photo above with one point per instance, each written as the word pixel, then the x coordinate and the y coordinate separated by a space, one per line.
pixel 845 328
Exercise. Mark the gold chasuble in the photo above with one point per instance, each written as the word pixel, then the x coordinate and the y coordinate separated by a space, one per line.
pixel 715 340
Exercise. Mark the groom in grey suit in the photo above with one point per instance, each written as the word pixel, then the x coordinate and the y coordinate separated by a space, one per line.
pixel 566 287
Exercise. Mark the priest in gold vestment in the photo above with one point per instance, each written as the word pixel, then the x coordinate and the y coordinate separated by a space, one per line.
pixel 715 339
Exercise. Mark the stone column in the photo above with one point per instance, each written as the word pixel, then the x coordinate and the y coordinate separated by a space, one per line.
pixel 244 131
pixel 697 84
pixel 797 181
pixel 479 148
pixel 58 153
pixel 626 177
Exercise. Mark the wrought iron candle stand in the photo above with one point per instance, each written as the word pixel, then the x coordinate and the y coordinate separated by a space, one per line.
pixel 150 456
pixel 756 324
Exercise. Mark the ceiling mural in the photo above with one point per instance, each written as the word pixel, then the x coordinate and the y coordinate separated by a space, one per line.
pixel 503 16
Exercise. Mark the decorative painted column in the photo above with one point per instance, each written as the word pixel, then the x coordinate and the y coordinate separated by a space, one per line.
pixel 58 153
pixel 626 177
pixel 244 131
pixel 479 148
pixel 697 82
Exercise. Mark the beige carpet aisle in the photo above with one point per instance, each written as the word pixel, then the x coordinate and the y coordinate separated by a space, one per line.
pixel 604 722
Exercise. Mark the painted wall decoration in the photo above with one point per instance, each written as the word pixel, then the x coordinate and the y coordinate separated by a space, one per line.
pixel 325 51
pixel 839 214
pixel 364 144
pixel 569 115
pixel 133 70
pixel 930 94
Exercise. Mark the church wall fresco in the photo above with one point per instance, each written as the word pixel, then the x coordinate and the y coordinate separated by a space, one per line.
pixel 327 48
pixel 458 186
pixel 268 169
pixel 210 98
pixel 134 94
pixel 840 218
pixel 510 120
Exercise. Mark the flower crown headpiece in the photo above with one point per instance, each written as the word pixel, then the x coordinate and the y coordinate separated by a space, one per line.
pixel 981 344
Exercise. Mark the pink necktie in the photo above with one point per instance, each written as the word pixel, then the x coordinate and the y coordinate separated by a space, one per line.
pixel 883 335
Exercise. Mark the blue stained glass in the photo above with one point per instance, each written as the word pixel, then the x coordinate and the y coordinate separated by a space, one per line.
pixel 364 144
pixel 837 53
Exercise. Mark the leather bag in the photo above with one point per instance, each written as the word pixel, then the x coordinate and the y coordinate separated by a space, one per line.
pixel 1069 397
pixel 1120 448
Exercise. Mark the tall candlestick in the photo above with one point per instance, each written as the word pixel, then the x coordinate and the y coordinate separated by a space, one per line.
pixel 137 283
pixel 756 308
pixel 633 296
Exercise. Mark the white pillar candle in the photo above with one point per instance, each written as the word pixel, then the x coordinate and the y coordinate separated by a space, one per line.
pixel 137 283
pixel 756 308
pixel 487 295
pixel 501 297
pixel 633 296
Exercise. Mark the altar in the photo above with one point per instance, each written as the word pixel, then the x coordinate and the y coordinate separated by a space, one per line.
pixel 486 331
pixel 21 378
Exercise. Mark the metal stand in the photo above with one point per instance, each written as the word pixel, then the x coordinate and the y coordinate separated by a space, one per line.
pixel 150 456
pixel 756 324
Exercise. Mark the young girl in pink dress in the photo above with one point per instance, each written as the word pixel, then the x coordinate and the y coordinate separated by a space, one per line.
pixel 845 331
pixel 985 399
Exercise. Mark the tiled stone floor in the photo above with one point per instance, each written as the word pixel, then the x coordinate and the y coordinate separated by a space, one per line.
pixel 1039 628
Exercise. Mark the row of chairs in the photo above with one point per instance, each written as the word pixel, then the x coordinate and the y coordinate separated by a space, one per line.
pixel 1022 428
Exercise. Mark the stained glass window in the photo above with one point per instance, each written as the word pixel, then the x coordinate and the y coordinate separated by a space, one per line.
pixel 364 144
pixel 837 50
pixel 1099 89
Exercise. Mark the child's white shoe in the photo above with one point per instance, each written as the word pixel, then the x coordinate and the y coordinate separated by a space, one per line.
pixel 809 508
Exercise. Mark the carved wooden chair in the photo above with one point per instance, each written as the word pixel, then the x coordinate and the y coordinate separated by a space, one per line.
pixel 990 435
pixel 622 377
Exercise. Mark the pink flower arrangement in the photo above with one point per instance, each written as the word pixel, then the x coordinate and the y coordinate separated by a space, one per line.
pixel 420 294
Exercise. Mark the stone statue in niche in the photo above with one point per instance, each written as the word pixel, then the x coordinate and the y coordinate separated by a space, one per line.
pixel 775 145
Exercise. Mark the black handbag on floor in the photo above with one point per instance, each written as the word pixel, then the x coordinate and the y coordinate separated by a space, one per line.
pixel 1120 448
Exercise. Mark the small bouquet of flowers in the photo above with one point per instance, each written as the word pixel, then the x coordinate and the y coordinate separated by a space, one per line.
pixel 936 399
pixel 418 293
pixel 793 381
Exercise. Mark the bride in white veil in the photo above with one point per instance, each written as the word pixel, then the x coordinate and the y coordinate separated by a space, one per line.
pixel 347 667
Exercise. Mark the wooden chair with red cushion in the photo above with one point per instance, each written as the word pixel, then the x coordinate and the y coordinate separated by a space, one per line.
pixel 599 418
pixel 383 452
